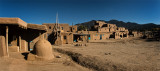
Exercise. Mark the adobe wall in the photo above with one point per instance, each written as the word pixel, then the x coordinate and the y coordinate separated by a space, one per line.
pixel 137 34
pixel 29 37
pixel 24 45
pixel 65 27
pixel 87 32
pixel 104 29
pixel 85 38
pixel 64 40
pixel 34 40
pixel 119 35
pixel 3 51
pixel 111 25
pixel 98 24
pixel 69 38
pixel 106 36
pixel 101 23
pixel 14 42
pixel 50 27
pixel 83 32
pixel 96 36
pixel 112 29
pixel 17 35
pixel 73 29
pixel 58 41
pixel 40 36
pixel 121 29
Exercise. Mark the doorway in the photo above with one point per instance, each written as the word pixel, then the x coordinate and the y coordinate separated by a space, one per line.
pixel 100 37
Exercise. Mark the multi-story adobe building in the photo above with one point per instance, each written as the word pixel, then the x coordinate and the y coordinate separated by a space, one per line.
pixel 104 31
pixel 59 34
pixel 64 34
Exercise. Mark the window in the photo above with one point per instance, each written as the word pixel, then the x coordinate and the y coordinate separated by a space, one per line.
pixel 65 37
pixel 49 27
pixel 73 28
pixel 103 34
pixel 62 28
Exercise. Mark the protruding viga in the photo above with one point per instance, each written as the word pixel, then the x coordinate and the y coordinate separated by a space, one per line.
pixel 43 50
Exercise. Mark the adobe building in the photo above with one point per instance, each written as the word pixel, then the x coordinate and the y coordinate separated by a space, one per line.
pixel 103 31
pixel 17 35
pixel 59 34
pixel 136 34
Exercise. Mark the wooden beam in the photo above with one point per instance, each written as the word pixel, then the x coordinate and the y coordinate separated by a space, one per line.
pixel 7 40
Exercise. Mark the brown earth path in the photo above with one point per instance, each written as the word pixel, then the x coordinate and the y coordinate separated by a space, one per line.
pixel 16 62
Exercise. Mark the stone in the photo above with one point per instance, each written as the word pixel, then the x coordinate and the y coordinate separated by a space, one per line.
pixel 58 56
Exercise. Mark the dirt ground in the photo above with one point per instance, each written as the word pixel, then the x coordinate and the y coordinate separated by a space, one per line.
pixel 16 62
pixel 132 54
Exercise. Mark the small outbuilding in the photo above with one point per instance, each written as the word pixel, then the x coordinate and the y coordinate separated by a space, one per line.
pixel 17 35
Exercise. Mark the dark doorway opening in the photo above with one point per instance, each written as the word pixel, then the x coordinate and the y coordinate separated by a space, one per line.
pixel 121 36
pixel 125 35
pixel 100 37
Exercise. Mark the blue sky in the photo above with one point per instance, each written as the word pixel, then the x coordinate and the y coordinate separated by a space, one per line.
pixel 79 11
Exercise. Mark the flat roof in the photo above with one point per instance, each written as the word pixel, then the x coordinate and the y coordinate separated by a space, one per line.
pixel 37 27
pixel 80 34
pixel 13 21
pixel 21 23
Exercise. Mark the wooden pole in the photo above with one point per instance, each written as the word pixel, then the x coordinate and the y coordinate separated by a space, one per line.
pixel 20 43
pixel 7 40
pixel 122 35
pixel 40 36
pixel 72 28
pixel 57 25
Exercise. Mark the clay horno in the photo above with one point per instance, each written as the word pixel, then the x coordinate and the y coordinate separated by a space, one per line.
pixel 43 49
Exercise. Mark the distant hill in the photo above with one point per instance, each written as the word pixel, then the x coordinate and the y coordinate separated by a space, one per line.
pixel 128 25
